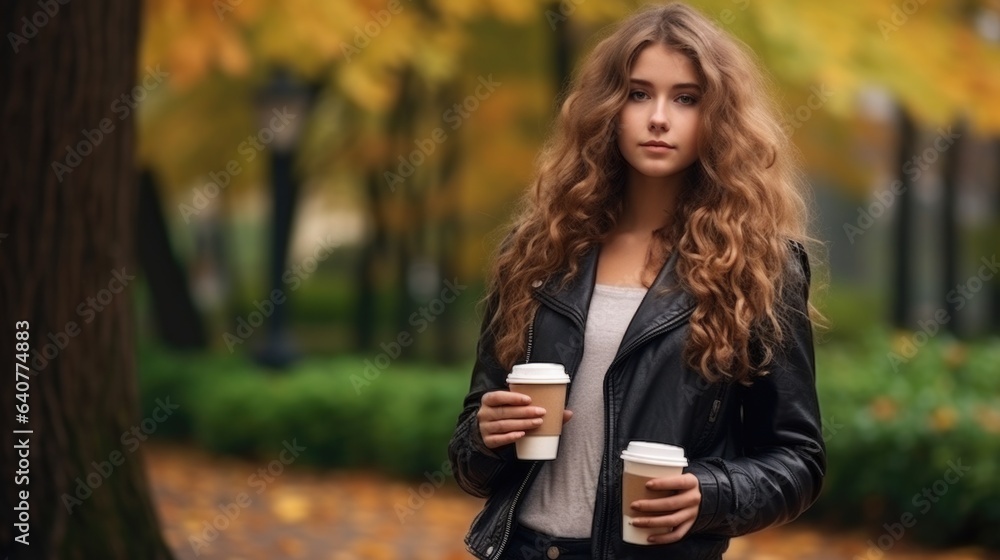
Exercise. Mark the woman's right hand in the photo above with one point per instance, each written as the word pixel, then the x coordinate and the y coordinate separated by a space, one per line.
pixel 505 416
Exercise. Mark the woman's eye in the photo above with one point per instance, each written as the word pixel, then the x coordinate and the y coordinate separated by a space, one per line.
pixel 687 100
pixel 638 95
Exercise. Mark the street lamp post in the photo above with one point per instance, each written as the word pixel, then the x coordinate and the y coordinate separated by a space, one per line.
pixel 281 108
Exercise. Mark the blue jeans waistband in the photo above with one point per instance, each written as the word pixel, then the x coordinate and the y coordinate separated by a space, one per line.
pixel 527 544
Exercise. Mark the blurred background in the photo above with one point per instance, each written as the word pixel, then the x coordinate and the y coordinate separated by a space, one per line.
pixel 305 195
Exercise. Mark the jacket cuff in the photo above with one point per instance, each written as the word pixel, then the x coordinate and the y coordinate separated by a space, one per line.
pixel 712 484
pixel 503 453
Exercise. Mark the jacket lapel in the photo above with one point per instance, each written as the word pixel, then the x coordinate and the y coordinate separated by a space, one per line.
pixel 657 311
pixel 654 311
pixel 574 300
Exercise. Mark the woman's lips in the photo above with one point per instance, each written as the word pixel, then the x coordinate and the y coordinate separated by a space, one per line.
pixel 658 147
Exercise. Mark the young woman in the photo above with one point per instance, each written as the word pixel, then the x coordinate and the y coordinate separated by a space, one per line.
pixel 660 257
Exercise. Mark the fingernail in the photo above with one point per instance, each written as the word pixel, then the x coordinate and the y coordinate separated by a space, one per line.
pixel 536 420
pixel 540 411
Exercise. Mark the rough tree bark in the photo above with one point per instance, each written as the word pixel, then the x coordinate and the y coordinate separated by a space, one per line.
pixel 66 264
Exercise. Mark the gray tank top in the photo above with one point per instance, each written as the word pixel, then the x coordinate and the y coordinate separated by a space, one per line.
pixel 560 502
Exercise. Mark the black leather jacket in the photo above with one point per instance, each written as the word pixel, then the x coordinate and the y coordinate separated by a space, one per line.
pixel 758 451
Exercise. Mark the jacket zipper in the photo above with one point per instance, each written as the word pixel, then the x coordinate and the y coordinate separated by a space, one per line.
pixel 531 333
pixel 715 409
pixel 607 424
pixel 713 415
pixel 513 506
pixel 517 496
pixel 608 420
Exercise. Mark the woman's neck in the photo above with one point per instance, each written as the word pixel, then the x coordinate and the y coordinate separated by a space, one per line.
pixel 649 203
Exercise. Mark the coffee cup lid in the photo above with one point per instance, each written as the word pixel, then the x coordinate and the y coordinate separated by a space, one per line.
pixel 538 373
pixel 655 454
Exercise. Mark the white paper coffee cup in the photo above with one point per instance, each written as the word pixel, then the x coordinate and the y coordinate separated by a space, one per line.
pixel 546 384
pixel 645 460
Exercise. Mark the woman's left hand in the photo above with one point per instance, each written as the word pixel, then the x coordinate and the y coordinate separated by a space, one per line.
pixel 677 512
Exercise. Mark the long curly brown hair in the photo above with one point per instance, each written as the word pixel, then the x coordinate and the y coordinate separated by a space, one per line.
pixel 741 206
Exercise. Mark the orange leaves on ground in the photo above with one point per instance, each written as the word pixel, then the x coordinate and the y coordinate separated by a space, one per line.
pixel 290 506
pixel 334 515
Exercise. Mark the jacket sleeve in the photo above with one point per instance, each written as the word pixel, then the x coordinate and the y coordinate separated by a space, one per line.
pixel 781 472
pixel 474 465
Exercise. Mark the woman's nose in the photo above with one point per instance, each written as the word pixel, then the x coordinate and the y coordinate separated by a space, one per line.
pixel 658 120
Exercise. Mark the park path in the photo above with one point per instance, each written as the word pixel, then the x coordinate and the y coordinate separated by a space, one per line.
pixel 226 508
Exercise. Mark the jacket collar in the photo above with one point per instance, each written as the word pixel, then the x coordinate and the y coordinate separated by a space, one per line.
pixel 653 312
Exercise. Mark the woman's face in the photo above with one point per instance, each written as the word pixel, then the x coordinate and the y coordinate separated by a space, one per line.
pixel 663 107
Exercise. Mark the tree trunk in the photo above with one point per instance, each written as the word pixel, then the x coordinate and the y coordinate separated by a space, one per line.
pixel 68 207
pixel 562 48
pixel 902 274
pixel 367 280
pixel 448 242
pixel 995 314
pixel 177 319
pixel 382 240
pixel 950 240
pixel 402 129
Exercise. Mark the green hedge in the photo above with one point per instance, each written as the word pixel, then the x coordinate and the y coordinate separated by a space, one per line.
pixel 399 422
pixel 893 432
pixel 890 433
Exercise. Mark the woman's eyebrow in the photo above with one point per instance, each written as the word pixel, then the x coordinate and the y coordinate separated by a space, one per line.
pixel 683 85
pixel 640 82
pixel 687 85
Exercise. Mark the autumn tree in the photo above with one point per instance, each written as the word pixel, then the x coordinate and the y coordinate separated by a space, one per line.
pixel 377 59
pixel 68 210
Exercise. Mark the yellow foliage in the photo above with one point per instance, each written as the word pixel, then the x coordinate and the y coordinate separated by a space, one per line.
pixel 366 88
pixel 884 409
pixel 934 64
pixel 189 38
pixel 989 419
pixel 956 354
pixel 943 419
